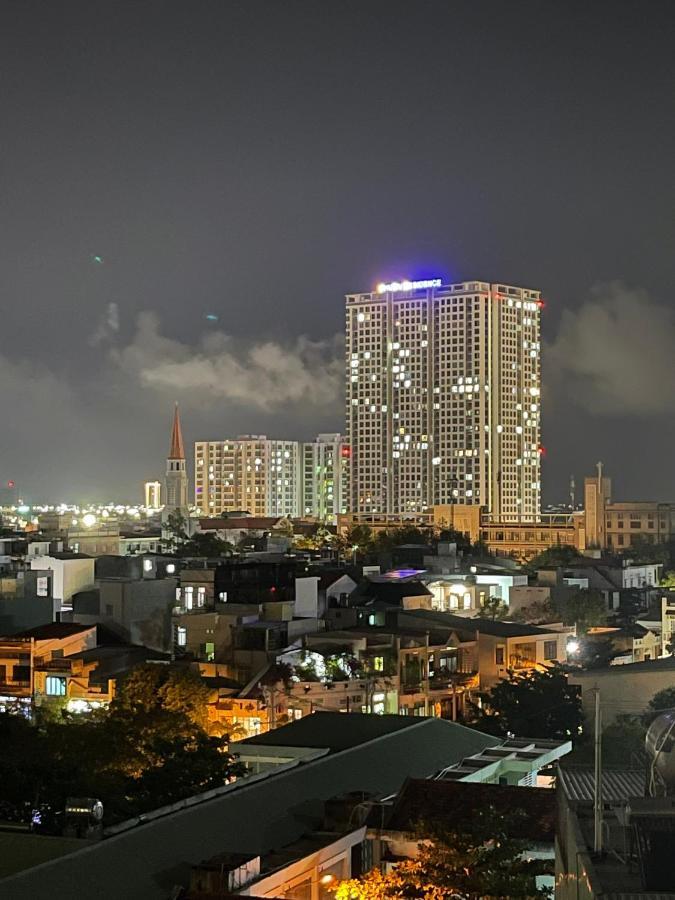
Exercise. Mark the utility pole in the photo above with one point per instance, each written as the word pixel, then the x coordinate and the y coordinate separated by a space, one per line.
pixel 597 796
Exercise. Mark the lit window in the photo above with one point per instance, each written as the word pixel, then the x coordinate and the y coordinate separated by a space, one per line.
pixel 181 636
pixel 55 686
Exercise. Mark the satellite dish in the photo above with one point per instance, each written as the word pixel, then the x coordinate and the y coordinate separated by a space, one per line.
pixel 660 749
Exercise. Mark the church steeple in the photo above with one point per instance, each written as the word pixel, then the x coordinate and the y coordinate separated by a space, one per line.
pixel 175 480
pixel 177 448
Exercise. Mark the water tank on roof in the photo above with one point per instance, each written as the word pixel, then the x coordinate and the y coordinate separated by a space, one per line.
pixel 660 749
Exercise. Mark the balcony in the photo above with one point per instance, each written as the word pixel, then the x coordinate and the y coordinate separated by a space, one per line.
pixel 521 662
pixel 54 665
pixel 15 688
pixel 440 684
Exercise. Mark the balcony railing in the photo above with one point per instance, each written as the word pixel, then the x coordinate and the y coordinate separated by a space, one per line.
pixel 440 683
pixel 15 687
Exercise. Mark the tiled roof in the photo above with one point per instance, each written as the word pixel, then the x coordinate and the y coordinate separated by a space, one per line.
pixel 578 783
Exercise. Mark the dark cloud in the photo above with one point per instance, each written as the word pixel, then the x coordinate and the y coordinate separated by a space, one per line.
pixel 100 436
pixel 613 355
pixel 265 376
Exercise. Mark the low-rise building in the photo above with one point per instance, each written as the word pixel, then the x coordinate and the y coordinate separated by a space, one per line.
pixel 62 575
pixel 624 690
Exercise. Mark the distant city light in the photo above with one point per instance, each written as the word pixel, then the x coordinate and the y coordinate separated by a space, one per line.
pixel 385 287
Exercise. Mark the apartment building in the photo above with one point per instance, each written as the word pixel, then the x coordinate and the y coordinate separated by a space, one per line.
pixel 266 477
pixel 443 397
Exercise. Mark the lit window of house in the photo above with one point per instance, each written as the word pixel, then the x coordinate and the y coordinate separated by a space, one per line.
pixel 55 686
pixel 181 636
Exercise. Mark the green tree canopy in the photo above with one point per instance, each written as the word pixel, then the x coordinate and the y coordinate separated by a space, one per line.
pixel 152 748
pixel 484 858
pixel 536 702
pixel 596 652
pixel 668 579
pixel 152 688
pixel 176 530
pixel 553 557
pixel 494 608
pixel 584 607
pixel 205 544
pixel 662 700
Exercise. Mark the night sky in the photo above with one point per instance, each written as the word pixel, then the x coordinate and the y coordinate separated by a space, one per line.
pixel 253 161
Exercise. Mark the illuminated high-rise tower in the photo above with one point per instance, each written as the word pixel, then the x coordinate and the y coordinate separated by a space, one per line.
pixel 443 397
pixel 175 480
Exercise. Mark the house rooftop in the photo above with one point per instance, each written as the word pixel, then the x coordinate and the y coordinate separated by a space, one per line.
pixel 54 631
pixel 664 663
pixel 66 555
pixel 484 626
pixel 343 731
pixel 578 783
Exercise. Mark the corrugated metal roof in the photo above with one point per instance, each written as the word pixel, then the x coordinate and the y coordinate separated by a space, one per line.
pixel 617 784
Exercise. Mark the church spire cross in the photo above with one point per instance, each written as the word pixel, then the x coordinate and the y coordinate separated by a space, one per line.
pixel 177 448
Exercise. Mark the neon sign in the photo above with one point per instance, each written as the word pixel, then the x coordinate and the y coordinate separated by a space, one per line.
pixel 385 287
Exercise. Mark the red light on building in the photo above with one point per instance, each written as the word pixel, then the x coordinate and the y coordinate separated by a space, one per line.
pixel 541 304
pixel 346 452
pixel 542 451
pixel 10 484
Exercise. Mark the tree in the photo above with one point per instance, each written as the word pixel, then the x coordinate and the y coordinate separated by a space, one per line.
pixel 596 652
pixel 279 673
pixel 206 544
pixel 555 557
pixel 661 701
pixel 157 687
pixel 643 550
pixel 175 528
pixel 151 749
pixel 482 859
pixel 494 608
pixel 584 607
pixel 389 539
pixel 537 613
pixel 668 579
pixel 535 702
pixel 359 540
